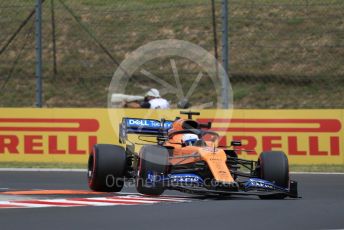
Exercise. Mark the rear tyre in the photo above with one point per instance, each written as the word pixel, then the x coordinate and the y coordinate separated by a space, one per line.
pixel 274 167
pixel 153 161
pixel 106 168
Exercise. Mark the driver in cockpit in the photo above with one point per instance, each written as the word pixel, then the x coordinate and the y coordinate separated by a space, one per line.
pixel 190 139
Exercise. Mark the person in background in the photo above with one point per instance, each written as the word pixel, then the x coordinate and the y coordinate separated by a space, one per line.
pixel 154 101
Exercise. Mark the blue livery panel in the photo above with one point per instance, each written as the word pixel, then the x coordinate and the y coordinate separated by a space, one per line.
pixel 180 178
pixel 143 126
pixel 255 183
pixel 188 178
pixel 146 124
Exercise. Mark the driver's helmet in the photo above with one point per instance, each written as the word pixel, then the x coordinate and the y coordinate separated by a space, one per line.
pixel 189 138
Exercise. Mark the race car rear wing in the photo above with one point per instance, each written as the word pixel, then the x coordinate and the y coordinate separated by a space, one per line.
pixel 142 126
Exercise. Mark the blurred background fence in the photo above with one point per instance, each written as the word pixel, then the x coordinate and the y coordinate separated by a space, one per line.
pixel 282 53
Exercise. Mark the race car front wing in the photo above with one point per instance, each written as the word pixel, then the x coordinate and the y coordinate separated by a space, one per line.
pixel 194 184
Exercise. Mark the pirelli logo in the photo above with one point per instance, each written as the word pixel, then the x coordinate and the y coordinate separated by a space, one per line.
pixel 297 137
pixel 62 136
pixel 47 135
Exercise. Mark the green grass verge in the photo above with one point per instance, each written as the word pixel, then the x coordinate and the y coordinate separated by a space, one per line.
pixel 316 168
pixel 293 168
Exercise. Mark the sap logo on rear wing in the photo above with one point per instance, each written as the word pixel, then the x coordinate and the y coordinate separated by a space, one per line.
pixel 146 123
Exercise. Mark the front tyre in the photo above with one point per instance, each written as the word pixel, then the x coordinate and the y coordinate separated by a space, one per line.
pixel 153 161
pixel 274 167
pixel 106 168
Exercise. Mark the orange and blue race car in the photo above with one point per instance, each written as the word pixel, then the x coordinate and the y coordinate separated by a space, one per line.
pixel 184 155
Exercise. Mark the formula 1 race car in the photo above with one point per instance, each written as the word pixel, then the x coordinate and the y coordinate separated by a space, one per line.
pixel 185 156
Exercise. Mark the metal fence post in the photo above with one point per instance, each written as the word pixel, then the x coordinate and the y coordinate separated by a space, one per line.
pixel 53 36
pixel 225 58
pixel 38 44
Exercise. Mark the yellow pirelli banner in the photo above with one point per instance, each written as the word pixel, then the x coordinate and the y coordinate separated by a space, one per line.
pixel 67 135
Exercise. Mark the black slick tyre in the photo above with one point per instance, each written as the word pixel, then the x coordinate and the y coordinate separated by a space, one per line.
pixel 274 167
pixel 106 168
pixel 152 161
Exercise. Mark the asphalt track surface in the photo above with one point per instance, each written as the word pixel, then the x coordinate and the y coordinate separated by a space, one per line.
pixel 321 207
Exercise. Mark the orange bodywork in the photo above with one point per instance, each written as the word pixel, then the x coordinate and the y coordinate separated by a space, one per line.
pixel 213 156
